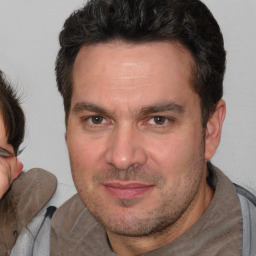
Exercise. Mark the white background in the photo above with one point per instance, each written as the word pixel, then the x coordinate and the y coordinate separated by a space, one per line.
pixel 28 47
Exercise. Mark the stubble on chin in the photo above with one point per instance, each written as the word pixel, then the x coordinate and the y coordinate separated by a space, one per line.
pixel 149 222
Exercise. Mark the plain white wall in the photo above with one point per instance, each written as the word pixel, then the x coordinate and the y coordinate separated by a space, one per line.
pixel 28 47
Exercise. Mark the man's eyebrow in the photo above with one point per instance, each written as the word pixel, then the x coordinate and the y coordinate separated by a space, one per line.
pixel 84 106
pixel 156 108
pixel 162 107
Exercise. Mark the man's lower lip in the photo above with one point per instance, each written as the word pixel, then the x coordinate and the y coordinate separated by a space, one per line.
pixel 127 193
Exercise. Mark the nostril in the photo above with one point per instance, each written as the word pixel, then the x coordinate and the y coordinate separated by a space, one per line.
pixel 124 159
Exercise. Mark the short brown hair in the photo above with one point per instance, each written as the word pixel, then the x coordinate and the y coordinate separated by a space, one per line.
pixel 137 21
pixel 13 116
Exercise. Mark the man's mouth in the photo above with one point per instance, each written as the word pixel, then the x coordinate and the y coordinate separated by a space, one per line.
pixel 127 190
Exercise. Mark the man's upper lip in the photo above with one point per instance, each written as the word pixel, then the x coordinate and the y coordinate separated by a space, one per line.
pixel 127 185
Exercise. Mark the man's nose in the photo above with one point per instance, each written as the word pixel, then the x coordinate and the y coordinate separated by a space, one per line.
pixel 125 148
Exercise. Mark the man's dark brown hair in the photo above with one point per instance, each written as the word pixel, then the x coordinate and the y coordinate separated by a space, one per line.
pixel 137 21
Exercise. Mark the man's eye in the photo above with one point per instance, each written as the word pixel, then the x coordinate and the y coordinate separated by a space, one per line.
pixel 97 119
pixel 158 120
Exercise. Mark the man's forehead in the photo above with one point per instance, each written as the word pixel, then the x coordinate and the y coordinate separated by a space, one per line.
pixel 138 78
pixel 128 57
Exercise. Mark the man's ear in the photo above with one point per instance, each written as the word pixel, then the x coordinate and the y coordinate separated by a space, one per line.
pixel 213 130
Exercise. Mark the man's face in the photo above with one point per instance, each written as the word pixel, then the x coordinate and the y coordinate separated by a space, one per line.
pixel 134 135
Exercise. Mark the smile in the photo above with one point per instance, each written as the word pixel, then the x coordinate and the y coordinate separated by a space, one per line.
pixel 127 190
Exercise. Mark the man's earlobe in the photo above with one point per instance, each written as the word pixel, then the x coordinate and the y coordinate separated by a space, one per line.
pixel 213 130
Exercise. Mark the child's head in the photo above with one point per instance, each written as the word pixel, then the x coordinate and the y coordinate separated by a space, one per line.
pixel 11 114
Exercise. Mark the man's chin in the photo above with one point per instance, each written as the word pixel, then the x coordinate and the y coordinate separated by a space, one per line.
pixel 131 223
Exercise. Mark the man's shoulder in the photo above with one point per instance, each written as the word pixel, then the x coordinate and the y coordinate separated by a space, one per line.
pixel 247 201
pixel 75 231
pixel 248 208
pixel 246 194
pixel 72 215
pixel 72 207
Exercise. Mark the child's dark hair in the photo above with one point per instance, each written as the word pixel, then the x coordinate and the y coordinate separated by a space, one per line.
pixel 13 116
